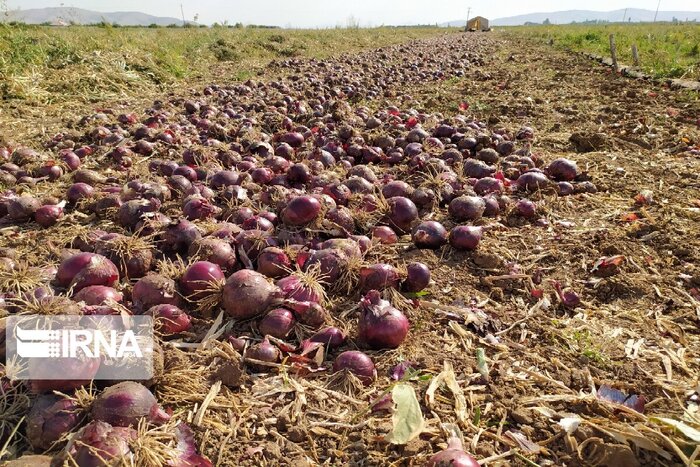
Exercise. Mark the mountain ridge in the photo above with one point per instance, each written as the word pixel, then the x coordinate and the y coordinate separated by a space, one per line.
pixel 634 15
pixel 68 15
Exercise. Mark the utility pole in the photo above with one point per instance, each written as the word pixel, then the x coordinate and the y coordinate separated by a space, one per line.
pixel 657 10
pixel 182 10
pixel 466 26
pixel 624 16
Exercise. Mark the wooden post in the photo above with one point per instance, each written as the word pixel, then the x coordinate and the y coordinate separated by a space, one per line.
pixel 635 55
pixel 613 51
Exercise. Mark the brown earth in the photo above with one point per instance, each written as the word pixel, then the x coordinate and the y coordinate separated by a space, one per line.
pixel 636 330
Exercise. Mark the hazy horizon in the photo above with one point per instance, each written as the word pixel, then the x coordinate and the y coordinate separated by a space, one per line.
pixel 317 13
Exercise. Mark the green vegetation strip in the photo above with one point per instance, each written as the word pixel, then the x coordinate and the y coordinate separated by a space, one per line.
pixel 665 50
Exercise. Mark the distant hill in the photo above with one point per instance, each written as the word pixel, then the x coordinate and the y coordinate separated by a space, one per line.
pixel 65 15
pixel 566 17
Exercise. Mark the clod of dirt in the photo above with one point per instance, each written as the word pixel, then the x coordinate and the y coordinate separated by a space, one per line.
pixel 588 142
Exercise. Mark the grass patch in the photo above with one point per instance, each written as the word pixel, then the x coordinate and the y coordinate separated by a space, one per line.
pixel 91 63
pixel 666 50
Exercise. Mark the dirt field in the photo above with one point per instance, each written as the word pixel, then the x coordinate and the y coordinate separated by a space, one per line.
pixel 636 328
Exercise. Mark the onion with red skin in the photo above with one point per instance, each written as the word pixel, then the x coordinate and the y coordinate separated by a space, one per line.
pixel 247 294
pixel 98 295
pixel 381 326
pixel 49 214
pixel 465 237
pixel 397 188
pixel 526 208
pixel 293 287
pixel 384 235
pixel 429 234
pixel 533 181
pixel 169 319
pixel 85 368
pixel 402 214
pixel 277 323
pixel 273 262
pixel 51 417
pixel 562 170
pixel 215 251
pixel 309 313
pixel 78 191
pixel 301 210
pixel 125 404
pixel 253 242
pixel 22 208
pixel 258 223
pixel 488 185
pixel 466 207
pixel 85 269
pixel 379 277
pixel 358 363
pixel 331 337
pixel 200 279
pixel 180 236
pixel 99 443
pixel 417 278
pixel 453 456
pixel 199 208
pixel 154 289
pixel 132 212
pixel 330 262
pixel 264 352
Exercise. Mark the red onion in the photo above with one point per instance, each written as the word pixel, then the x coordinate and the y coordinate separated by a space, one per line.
pixel 22 208
pixel 385 235
pixel 97 295
pixel 381 326
pixel 331 337
pixel 308 313
pixel 273 262
pixel 331 263
pixel 169 319
pixel 397 188
pixel 48 215
pixel 357 363
pixel 51 417
pixel 99 443
pixel 466 208
pixel 71 160
pixel 465 237
pixel 488 185
pixel 79 191
pixel 301 210
pixel 198 208
pixel 402 213
pixel 526 208
pixel 154 289
pixel 533 181
pixel 247 294
pixel 429 234
pixel 417 278
pixel 201 279
pixel 562 170
pixel 85 367
pixel 214 250
pixel 85 269
pixel 348 246
pixel 378 277
pixel 178 237
pixel 264 352
pixel 124 404
pixel 453 456
pixel 277 323
pixel 293 287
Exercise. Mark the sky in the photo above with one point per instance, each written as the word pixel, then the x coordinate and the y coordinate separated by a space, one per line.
pixel 328 13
